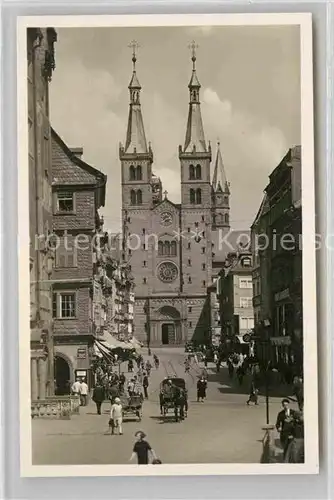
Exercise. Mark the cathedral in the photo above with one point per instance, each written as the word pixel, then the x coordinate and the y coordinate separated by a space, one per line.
pixel 173 249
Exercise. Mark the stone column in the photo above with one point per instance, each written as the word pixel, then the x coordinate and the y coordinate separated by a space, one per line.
pixel 42 367
pixel 34 378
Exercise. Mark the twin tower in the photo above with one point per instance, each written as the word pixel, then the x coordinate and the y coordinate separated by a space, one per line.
pixel 174 269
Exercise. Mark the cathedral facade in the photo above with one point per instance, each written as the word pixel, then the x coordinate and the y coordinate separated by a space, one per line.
pixel 172 248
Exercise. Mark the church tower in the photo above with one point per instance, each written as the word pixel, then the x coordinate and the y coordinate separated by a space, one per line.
pixel 195 159
pixel 220 195
pixel 136 157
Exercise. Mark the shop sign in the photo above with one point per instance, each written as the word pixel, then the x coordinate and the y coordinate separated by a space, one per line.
pixel 81 354
pixel 285 294
pixel 81 373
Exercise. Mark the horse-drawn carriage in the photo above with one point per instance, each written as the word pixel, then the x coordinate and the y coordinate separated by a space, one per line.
pixel 173 396
pixel 132 406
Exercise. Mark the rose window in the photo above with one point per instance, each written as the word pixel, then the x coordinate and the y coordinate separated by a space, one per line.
pixel 167 272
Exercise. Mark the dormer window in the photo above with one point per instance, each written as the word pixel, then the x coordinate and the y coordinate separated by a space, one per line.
pixel 65 201
pixel 246 262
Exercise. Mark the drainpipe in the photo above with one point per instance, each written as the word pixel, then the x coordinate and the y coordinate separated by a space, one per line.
pixel 37 195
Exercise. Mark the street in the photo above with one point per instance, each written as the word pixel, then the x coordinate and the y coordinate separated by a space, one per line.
pixel 223 429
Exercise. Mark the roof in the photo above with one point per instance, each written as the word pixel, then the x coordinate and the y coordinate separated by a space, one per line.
pixel 194 82
pixel 219 181
pixel 134 83
pixel 195 132
pixel 70 170
pixel 264 207
pixel 135 136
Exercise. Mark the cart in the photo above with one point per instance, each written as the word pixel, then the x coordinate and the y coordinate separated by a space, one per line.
pixel 167 394
pixel 132 406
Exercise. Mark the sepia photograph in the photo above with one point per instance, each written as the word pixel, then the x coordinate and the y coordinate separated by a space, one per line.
pixel 167 245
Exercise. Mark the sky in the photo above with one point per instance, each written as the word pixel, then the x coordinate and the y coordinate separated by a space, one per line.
pixel 250 100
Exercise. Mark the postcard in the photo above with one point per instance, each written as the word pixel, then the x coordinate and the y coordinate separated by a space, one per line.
pixel 167 245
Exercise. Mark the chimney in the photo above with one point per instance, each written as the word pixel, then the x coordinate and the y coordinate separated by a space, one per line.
pixel 78 152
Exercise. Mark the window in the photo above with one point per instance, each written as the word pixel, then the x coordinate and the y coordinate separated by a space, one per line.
pixel 139 174
pixel 190 324
pixel 168 248
pixel 129 251
pixel 191 172
pixel 198 196
pixel 245 283
pixel 192 196
pixel 144 230
pixel 204 283
pixel 65 201
pixel 196 224
pixel 189 262
pixel 136 197
pixel 189 279
pixel 203 267
pixel 246 323
pixel 64 305
pixel 246 262
pixel 203 218
pixel 54 305
pixel 188 229
pixel 198 172
pixel 144 246
pixel 189 246
pixel 226 219
pixel 190 309
pixel 144 281
pixel 66 253
pixel 226 200
pixel 139 197
pixel 160 248
pixel 132 173
pixel 144 263
pixel 246 302
pixel 203 249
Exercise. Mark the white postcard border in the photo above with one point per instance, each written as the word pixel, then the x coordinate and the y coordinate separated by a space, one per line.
pixel 311 465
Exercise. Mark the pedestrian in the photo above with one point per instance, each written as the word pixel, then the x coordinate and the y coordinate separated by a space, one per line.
pixel 230 367
pixel 298 392
pixel 140 375
pixel 145 385
pixel 156 361
pixel 215 358
pixel 122 380
pixel 83 391
pixel 295 451
pixel 116 417
pixel 253 394
pixel 205 360
pixel 131 387
pixel 284 425
pixel 201 389
pixel 76 387
pixel 240 374
pixel 113 392
pixel 98 397
pixel 142 449
pixel 130 365
pixel 148 367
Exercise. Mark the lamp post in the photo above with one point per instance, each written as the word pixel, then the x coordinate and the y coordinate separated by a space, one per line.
pixel 267 361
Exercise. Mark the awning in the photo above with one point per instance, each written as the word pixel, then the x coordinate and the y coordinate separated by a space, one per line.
pixel 97 351
pixel 135 343
pixel 110 341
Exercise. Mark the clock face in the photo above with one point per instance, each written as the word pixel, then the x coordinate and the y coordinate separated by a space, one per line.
pixel 166 218
pixel 167 272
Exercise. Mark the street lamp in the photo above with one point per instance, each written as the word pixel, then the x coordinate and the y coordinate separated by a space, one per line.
pixel 267 356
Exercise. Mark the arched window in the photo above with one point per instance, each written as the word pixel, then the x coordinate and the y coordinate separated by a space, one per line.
pixel 198 172
pixel 138 173
pixel 132 173
pixel 192 196
pixel 166 248
pixel 139 197
pixel 226 200
pixel 133 197
pixel 160 248
pixel 226 219
pixel 191 172
pixel 173 248
pixel 198 196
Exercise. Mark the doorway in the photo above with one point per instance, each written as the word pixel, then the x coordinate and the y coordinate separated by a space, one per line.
pixel 168 333
pixel 62 377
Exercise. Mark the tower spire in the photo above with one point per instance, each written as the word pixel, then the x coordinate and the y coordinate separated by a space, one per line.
pixel 219 181
pixel 195 139
pixel 135 137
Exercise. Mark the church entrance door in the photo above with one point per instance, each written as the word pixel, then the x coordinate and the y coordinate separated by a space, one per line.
pixel 168 333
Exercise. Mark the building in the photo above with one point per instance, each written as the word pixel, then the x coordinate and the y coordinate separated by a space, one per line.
pixel 279 309
pixel 41 63
pixel 236 297
pixel 78 191
pixel 174 250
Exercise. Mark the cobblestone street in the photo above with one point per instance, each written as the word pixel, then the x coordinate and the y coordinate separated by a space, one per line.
pixel 222 429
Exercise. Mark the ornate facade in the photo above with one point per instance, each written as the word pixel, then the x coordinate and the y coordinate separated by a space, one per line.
pixel 172 248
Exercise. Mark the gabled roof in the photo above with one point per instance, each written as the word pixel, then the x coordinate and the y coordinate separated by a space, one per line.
pixel 167 202
pixel 70 170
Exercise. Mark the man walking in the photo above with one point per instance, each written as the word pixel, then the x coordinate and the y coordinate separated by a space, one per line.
pixel 284 425
pixel 98 397
pixel 145 385
pixel 76 388
pixel 116 417
pixel 83 391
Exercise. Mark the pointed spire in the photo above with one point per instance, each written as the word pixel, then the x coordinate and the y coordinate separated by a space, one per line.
pixel 195 140
pixel 135 137
pixel 219 181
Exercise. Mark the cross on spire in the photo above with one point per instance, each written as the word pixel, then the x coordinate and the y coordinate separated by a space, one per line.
pixel 193 46
pixel 165 193
pixel 134 45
